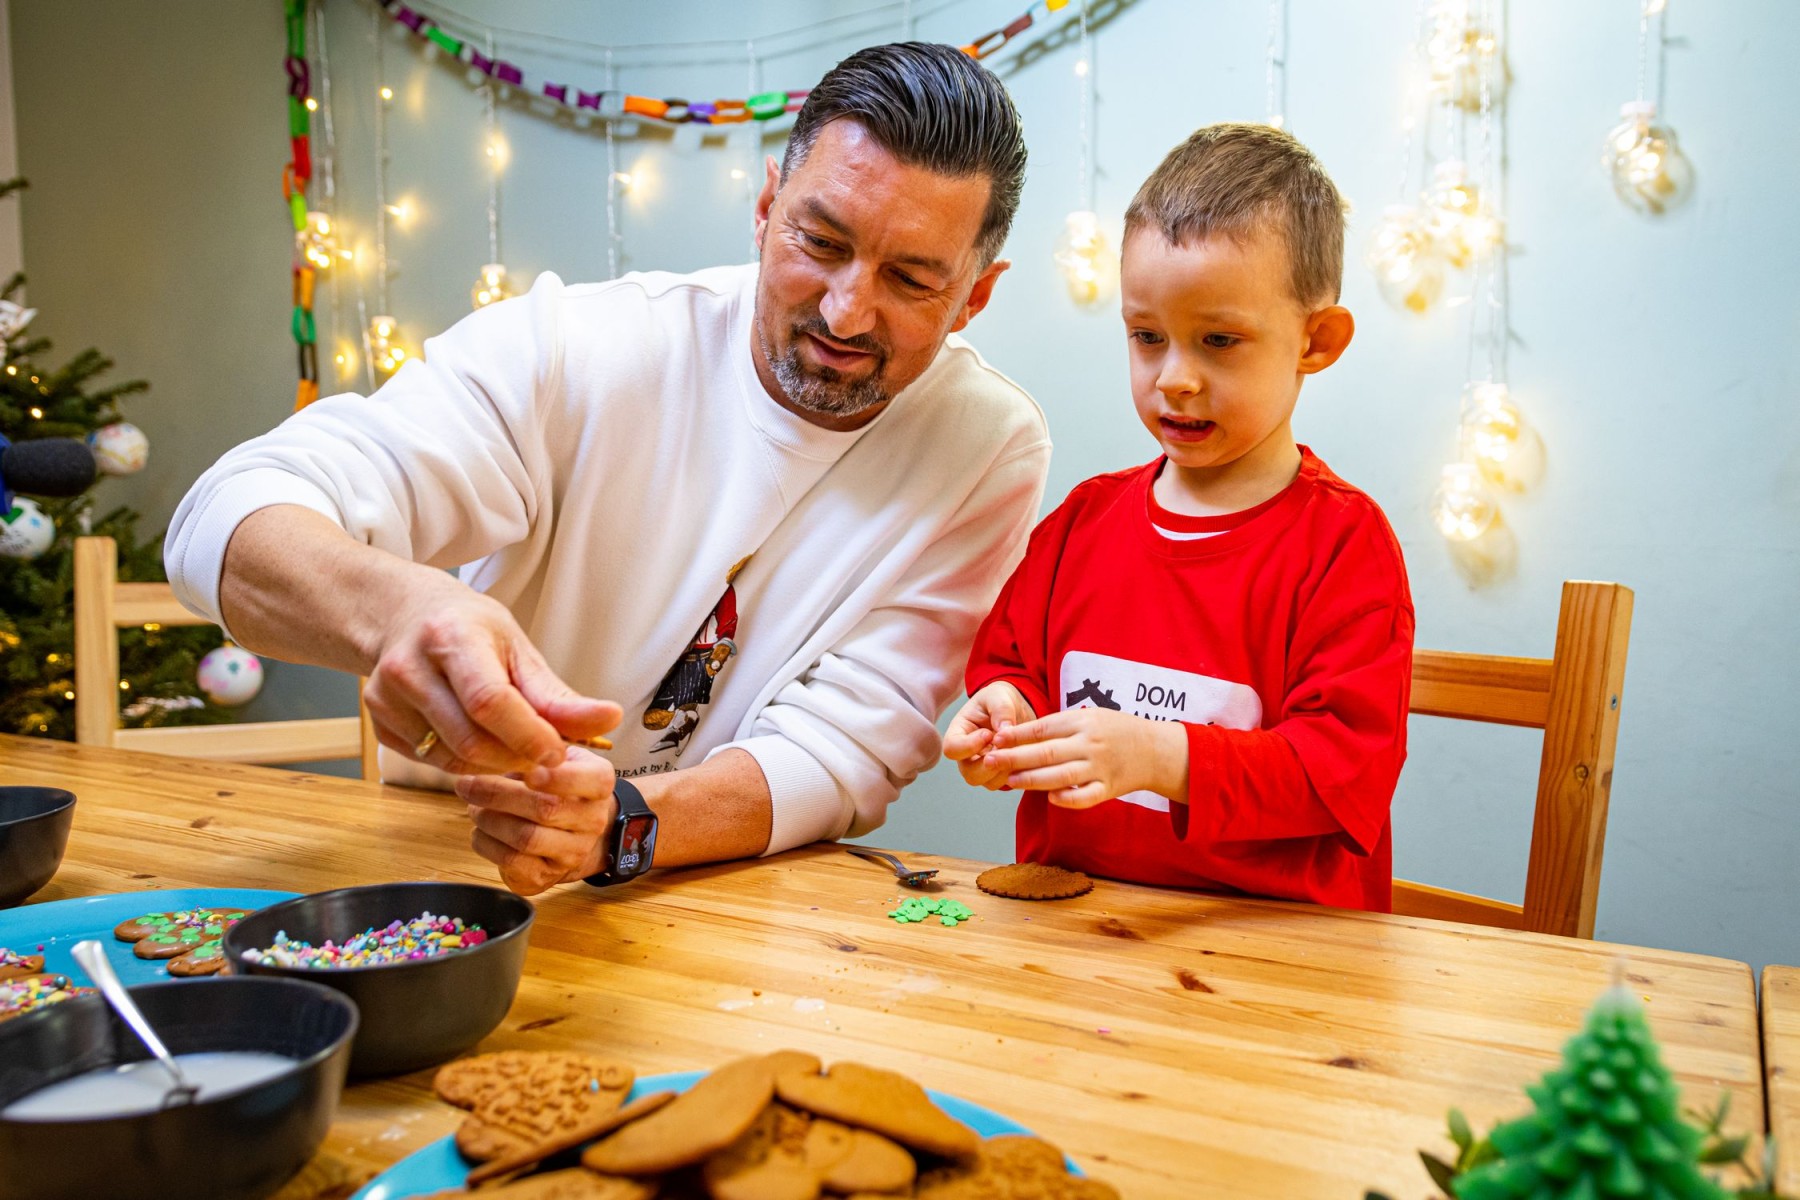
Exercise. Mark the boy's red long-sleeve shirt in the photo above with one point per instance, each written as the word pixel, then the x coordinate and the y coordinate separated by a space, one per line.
pixel 1282 639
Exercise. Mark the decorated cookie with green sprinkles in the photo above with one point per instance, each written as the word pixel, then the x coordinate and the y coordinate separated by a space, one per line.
pixel 151 924
pixel 208 958
pixel 177 942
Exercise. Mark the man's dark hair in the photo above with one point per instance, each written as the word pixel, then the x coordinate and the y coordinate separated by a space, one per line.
pixel 929 106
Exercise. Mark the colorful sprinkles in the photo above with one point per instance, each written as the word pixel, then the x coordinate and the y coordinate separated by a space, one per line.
pixel 917 908
pixel 34 991
pixel 425 936
pixel 9 959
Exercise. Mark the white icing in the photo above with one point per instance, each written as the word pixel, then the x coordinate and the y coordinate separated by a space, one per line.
pixel 139 1087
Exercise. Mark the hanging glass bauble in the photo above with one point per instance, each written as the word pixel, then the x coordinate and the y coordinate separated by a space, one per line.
pixel 317 242
pixel 1463 507
pixel 1648 170
pixel 385 350
pixel 1457 216
pixel 1089 267
pixel 1459 51
pixel 1497 438
pixel 490 287
pixel 1408 268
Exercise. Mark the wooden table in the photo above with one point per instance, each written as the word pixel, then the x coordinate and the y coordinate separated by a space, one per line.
pixel 1781 1059
pixel 1175 1044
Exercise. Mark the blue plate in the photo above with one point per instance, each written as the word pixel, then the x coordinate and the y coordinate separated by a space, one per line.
pixel 58 925
pixel 439 1166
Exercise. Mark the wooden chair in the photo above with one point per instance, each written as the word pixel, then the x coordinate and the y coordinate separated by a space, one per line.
pixel 103 606
pixel 1574 699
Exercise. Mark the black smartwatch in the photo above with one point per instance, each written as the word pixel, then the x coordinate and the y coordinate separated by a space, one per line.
pixel 632 843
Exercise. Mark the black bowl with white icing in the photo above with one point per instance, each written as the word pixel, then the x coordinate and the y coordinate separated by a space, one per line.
pixel 79 1105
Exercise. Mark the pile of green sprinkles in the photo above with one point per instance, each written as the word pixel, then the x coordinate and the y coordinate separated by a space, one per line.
pixel 917 908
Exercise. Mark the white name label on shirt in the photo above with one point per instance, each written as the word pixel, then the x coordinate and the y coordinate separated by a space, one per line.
pixel 1159 693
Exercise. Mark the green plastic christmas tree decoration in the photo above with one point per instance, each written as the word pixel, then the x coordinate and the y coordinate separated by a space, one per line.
pixel 1607 1124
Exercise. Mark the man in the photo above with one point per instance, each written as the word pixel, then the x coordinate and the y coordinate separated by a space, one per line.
pixel 801 450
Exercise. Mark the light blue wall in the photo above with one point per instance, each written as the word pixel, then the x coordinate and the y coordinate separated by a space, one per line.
pixel 1655 356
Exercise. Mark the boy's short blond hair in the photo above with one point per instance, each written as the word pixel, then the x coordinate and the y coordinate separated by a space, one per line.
pixel 1232 179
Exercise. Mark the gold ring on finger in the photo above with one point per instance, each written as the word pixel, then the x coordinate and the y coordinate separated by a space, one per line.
pixel 425 744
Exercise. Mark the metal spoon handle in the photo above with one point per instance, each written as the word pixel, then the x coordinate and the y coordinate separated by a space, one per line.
pixel 878 856
pixel 92 957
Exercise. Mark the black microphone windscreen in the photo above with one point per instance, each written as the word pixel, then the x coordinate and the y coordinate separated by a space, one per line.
pixel 48 467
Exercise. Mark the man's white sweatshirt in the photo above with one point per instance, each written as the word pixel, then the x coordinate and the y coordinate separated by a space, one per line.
pixel 599 457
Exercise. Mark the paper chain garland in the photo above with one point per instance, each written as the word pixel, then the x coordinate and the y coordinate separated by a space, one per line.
pixel 607 104
pixel 294 178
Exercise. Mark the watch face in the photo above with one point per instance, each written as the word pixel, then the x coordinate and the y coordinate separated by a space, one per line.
pixel 636 843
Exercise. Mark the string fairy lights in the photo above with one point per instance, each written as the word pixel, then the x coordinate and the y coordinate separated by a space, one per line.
pixel 1641 157
pixel 1084 256
pixel 1498 450
pixel 491 284
pixel 381 339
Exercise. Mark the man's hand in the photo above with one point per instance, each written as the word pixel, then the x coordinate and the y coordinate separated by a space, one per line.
pixel 545 827
pixel 975 728
pixel 1081 757
pixel 454 663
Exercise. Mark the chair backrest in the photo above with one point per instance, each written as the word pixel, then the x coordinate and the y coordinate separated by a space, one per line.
pixel 1574 698
pixel 103 606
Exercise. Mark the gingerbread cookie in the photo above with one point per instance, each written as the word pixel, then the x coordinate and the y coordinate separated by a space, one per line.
pixel 1033 881
pixel 576 1183
pixel 705 1119
pixel 881 1101
pixel 21 995
pixel 208 958
pixel 17 966
pixel 174 943
pixel 769 1162
pixel 520 1099
pixel 1011 1165
pixel 139 928
pixel 577 1135
pixel 867 1162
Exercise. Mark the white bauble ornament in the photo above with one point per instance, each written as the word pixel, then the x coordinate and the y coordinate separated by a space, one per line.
pixel 120 448
pixel 230 675
pixel 14 318
pixel 26 531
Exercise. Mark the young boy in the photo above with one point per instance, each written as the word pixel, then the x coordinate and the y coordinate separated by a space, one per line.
pixel 1199 672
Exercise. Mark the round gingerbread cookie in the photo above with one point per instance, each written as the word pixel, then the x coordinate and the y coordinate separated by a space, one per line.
pixel 177 942
pixel 1033 881
pixel 15 966
pixel 208 958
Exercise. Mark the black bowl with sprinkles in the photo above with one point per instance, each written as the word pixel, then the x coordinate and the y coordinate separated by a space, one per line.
pixel 416 1012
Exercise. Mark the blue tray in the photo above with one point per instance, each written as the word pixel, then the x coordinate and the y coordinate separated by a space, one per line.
pixel 439 1166
pixel 58 925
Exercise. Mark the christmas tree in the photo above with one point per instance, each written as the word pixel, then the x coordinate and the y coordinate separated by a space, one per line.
pixel 1607 1123
pixel 157 667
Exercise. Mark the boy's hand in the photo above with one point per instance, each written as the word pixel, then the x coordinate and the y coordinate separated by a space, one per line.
pixel 544 827
pixel 1081 757
pixel 996 707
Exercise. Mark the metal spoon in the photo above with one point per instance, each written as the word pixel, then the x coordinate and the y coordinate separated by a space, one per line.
pixel 92 957
pixel 906 875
